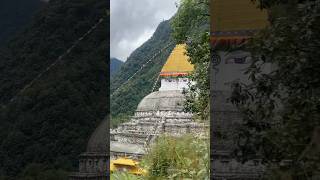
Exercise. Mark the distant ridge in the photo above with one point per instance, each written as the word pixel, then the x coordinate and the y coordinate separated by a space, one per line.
pixel 115 65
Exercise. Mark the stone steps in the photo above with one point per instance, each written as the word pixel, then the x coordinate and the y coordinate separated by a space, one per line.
pixel 144 128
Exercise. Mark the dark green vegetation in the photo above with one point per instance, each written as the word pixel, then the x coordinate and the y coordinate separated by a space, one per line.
pixel 125 176
pixel 124 101
pixel 281 109
pixel 14 15
pixel 115 65
pixel 185 157
pixel 48 125
pixel 191 25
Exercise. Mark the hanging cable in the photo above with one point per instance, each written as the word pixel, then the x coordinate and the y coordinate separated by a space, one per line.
pixel 134 74
pixel 155 83
pixel 57 60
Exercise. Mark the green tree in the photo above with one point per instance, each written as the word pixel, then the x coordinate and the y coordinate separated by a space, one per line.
pixel 191 25
pixel 281 108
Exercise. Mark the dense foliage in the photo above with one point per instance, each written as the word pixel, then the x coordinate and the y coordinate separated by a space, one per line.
pixel 191 20
pixel 15 15
pixel 185 157
pixel 124 176
pixel 198 96
pixel 48 125
pixel 281 108
pixel 126 96
pixel 191 25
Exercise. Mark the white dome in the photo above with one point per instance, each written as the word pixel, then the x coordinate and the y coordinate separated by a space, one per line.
pixel 163 101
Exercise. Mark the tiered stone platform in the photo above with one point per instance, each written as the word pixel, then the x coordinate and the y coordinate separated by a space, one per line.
pixel 158 113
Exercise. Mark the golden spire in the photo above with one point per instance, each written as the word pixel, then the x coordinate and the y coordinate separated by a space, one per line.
pixel 177 64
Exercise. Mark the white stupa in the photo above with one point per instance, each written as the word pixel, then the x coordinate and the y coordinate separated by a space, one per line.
pixel 159 112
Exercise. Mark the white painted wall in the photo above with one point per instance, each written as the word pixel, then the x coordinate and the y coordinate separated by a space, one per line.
pixel 168 84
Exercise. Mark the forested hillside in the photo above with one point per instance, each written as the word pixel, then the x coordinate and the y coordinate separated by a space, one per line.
pixel 125 98
pixel 48 125
pixel 14 15
pixel 115 65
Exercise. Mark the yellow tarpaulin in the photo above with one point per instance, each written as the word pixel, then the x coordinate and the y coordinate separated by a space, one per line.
pixel 125 161
pixel 126 165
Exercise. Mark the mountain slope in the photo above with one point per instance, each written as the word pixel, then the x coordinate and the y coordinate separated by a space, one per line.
pixel 125 98
pixel 115 65
pixel 50 122
pixel 14 15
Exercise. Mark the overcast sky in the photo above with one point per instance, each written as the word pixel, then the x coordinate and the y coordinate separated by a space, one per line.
pixel 134 21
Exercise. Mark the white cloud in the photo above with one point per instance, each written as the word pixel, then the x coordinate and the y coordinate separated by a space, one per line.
pixel 134 21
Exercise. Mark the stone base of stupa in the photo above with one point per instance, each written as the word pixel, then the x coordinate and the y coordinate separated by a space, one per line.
pixel 159 113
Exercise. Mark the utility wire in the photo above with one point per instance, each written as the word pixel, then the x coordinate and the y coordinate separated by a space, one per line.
pixel 144 65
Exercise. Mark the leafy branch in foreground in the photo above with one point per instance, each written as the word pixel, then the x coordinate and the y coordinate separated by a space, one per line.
pixel 178 157
pixel 199 93
pixel 191 25
pixel 281 109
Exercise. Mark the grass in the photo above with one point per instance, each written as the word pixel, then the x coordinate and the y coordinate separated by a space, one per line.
pixel 184 157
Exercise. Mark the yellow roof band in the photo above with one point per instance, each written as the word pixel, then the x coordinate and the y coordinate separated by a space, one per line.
pixel 177 61
pixel 237 15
